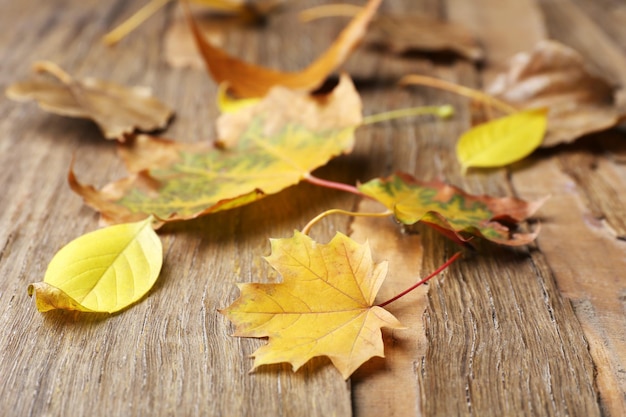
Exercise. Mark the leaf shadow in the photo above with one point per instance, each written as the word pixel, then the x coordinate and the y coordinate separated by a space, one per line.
pixel 313 368
pixel 442 57
pixel 76 317
pixel 377 365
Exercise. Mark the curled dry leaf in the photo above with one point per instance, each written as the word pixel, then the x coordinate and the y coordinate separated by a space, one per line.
pixel 272 145
pixel 117 110
pixel 248 80
pixel 502 141
pixel 179 46
pixel 452 211
pixel 406 33
pixel 323 307
pixel 102 271
pixel 554 76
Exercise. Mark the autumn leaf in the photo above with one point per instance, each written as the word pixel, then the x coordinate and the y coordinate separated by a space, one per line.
pixel 323 307
pixel 452 211
pixel 404 33
pixel 102 271
pixel 248 80
pixel 554 76
pixel 266 151
pixel 117 110
pixel 412 32
pixel 502 141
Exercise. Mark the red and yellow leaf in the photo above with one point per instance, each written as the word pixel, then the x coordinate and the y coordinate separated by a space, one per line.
pixel 269 146
pixel 451 210
pixel 323 307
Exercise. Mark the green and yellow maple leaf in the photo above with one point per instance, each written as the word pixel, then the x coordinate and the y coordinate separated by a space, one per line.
pixel 451 210
pixel 323 307
pixel 266 147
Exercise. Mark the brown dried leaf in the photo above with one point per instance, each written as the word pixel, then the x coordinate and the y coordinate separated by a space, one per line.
pixel 405 33
pixel 554 76
pixel 116 109
pixel 249 80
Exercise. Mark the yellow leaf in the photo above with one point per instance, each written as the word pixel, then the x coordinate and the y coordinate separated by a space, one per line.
pixel 266 148
pixel 102 271
pixel 324 307
pixel 502 141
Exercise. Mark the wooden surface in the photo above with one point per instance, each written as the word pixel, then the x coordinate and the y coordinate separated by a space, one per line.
pixel 539 330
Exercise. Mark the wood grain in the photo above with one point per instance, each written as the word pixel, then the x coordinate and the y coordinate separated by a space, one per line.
pixel 528 331
pixel 172 353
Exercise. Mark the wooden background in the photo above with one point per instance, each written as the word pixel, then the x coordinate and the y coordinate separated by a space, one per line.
pixel 538 330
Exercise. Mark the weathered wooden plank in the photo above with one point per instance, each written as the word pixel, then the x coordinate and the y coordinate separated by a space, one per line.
pixel 503 341
pixel 586 260
pixel 495 23
pixel 498 338
pixel 172 353
pixel 610 15
pixel 564 19
pixel 588 177
pixel 389 386
pixel 573 26
pixel 599 182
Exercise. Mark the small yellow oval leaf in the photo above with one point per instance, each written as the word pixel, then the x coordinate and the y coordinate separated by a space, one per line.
pixel 502 141
pixel 102 271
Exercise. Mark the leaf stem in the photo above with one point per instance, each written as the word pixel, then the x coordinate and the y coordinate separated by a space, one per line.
pixel 408 290
pixel 133 22
pixel 306 229
pixel 444 112
pixel 458 89
pixel 329 10
pixel 333 185
pixel 53 69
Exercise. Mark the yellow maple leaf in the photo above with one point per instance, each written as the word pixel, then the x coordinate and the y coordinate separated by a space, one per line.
pixel 324 307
